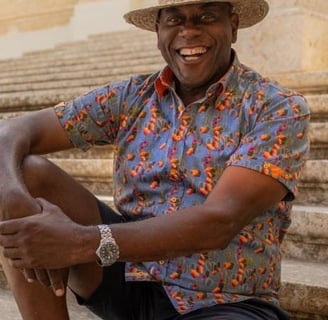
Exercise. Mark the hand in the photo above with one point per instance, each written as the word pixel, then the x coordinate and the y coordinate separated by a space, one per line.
pixel 49 240
pixel 56 279
pixel 18 203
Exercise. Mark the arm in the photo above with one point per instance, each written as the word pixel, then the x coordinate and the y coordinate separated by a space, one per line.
pixel 35 133
pixel 229 207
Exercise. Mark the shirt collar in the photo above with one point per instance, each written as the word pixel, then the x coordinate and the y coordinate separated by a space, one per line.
pixel 165 79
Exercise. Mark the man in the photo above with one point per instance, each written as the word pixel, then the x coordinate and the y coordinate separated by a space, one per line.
pixel 209 154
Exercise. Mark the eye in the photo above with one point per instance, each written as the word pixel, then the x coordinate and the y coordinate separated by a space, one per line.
pixel 207 17
pixel 173 20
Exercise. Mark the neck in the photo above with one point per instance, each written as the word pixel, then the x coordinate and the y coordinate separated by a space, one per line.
pixel 190 95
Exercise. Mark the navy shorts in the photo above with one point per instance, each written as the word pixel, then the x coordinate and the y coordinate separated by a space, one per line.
pixel 117 299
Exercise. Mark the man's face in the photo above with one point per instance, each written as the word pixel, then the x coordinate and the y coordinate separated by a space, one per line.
pixel 195 40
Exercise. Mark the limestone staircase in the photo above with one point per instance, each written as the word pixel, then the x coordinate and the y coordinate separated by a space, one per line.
pixel 44 78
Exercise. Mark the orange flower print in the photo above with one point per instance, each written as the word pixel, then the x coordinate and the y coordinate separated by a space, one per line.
pixel 228 265
pixel 130 157
pixel 154 184
pixel 195 172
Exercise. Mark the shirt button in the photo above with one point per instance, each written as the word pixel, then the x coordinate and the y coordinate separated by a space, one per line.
pixel 161 262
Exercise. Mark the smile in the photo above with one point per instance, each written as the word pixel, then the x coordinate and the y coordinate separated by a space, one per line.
pixel 192 54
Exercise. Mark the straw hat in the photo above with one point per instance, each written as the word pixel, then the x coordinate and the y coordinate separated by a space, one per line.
pixel 250 11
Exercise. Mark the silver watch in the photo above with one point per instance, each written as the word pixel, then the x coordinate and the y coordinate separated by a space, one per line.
pixel 108 251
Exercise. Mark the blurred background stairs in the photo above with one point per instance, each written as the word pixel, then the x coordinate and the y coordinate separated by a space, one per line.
pixel 44 78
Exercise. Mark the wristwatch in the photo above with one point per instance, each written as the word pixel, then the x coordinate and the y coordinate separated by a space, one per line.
pixel 108 251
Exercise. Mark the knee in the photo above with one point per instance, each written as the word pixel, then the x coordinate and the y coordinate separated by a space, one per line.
pixel 35 170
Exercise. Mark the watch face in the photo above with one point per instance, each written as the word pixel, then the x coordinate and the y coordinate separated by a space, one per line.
pixel 108 253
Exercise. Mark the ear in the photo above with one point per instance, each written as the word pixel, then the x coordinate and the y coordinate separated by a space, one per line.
pixel 157 37
pixel 234 25
pixel 157 34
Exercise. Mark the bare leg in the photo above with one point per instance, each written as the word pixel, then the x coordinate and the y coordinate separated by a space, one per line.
pixel 46 180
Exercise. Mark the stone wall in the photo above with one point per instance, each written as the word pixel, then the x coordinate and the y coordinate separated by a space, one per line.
pixel 29 25
pixel 18 15
pixel 292 38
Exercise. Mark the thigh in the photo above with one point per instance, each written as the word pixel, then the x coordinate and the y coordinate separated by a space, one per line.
pixel 47 180
pixel 251 309
pixel 85 279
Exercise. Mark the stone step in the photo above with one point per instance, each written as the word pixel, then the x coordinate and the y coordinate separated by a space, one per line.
pixel 315 82
pixel 304 294
pixel 26 100
pixel 126 40
pixel 318 139
pixel 112 39
pixel 304 290
pixel 307 237
pixel 101 52
pixel 57 77
pixel 96 174
pixel 70 69
pixel 313 188
pixel 318 136
pixel 120 46
pixel 29 101
pixel 318 104
pixel 89 79
pixel 318 130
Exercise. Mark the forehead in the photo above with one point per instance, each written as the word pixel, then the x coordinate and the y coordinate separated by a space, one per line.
pixel 217 6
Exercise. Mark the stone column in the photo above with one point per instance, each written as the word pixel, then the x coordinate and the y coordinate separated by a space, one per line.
pixel 292 38
pixel 21 16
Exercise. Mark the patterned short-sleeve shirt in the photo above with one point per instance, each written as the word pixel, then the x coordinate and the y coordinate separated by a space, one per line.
pixel 169 156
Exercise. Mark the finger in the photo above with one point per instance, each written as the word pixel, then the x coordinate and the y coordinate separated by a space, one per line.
pixel 43 203
pixel 8 240
pixel 29 275
pixel 42 277
pixel 58 280
pixel 9 226
pixel 11 253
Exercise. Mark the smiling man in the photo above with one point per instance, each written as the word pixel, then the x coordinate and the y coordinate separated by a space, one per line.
pixel 208 161
pixel 200 53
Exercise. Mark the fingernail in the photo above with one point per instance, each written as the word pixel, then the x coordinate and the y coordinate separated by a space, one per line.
pixel 29 280
pixel 59 292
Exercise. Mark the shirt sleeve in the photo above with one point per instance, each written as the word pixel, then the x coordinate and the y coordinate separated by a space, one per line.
pixel 276 143
pixel 93 118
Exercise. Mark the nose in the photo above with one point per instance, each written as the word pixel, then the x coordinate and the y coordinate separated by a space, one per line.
pixel 190 28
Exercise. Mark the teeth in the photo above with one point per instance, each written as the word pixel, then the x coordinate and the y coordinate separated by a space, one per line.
pixel 192 51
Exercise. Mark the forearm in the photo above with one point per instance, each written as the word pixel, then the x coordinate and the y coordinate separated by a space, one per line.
pixel 178 234
pixel 211 225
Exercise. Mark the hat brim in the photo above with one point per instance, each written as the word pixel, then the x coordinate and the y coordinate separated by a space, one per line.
pixel 250 12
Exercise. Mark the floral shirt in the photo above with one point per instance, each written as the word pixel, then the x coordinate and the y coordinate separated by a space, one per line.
pixel 170 156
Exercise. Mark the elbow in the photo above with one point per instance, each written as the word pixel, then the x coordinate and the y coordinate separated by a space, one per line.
pixel 222 228
pixel 227 236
